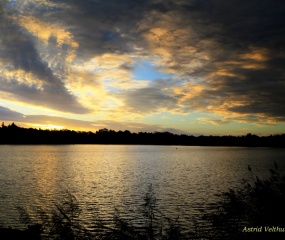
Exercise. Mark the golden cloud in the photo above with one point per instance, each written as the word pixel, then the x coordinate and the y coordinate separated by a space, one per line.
pixel 187 92
pixel 44 31
pixel 22 77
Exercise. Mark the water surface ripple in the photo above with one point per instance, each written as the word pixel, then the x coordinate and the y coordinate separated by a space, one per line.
pixel 185 179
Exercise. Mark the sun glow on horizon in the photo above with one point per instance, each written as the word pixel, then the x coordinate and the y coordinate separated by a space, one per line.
pixel 48 126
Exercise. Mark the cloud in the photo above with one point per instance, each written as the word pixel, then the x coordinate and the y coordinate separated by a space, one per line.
pixel 44 121
pixel 146 100
pixel 224 57
pixel 101 26
pixel 38 84
pixel 214 121
pixel 232 50
pixel 9 115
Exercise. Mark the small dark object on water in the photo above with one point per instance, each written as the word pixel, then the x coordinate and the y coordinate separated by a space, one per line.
pixel 249 168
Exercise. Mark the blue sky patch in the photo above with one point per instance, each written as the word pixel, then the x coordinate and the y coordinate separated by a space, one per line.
pixel 146 71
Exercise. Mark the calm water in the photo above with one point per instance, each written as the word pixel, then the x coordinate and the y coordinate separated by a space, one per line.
pixel 102 177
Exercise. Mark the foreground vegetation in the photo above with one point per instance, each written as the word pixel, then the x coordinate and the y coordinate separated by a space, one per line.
pixel 64 223
pixel 13 134
pixel 254 211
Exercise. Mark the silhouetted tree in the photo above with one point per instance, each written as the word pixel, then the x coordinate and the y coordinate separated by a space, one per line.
pixel 13 134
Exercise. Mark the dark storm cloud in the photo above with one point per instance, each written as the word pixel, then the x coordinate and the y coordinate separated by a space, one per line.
pixel 150 99
pixel 262 89
pixel 101 26
pixel 244 23
pixel 231 34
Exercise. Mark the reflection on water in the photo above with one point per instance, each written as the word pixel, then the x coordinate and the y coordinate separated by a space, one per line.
pixel 102 177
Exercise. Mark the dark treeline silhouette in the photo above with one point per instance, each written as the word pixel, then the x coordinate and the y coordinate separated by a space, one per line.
pixel 13 134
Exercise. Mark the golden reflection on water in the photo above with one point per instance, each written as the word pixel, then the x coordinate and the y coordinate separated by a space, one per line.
pixel 45 171
pixel 102 177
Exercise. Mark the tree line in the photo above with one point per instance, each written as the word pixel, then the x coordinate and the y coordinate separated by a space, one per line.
pixel 13 134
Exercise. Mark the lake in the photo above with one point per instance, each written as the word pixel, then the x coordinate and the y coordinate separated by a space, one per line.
pixel 184 178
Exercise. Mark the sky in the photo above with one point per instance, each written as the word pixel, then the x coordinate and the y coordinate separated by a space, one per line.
pixel 197 67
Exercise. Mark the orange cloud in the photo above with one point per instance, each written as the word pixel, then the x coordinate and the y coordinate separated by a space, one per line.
pixel 256 54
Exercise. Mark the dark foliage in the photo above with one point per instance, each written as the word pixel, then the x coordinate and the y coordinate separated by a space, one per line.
pixel 64 223
pixel 12 134
pixel 61 224
pixel 255 211
pixel 33 232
